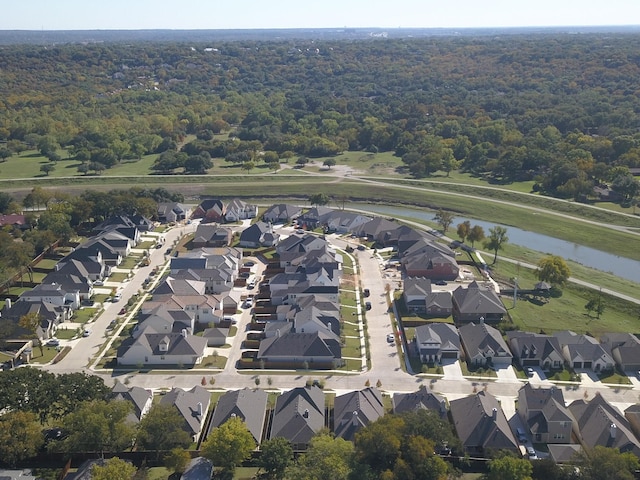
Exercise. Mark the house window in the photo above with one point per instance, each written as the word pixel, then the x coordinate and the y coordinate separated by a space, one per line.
pixel 162 357
pixel 205 310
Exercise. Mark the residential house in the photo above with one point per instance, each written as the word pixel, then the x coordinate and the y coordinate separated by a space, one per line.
pixel 423 399
pixel 436 342
pixel 247 404
pixel 432 266
pixel 240 210
pixel 290 288
pixel 212 235
pixel 543 412
pixel 259 234
pixel 163 320
pixel 314 350
pixel 564 453
pixel 375 227
pixel 583 351
pixel 192 405
pixel 169 212
pixel 281 213
pixel 138 397
pixel 632 414
pixel 598 423
pixel 355 410
pixel 95 259
pixel 199 468
pixel 71 282
pixel 484 346
pixel 51 315
pixel 314 217
pixel 53 293
pixel 167 349
pixel 14 220
pixel 536 350
pixel 298 416
pixel 419 298
pixel 481 424
pixel 118 242
pixel 216 336
pixel 477 303
pixel 624 348
pixel 341 221
pixel 210 210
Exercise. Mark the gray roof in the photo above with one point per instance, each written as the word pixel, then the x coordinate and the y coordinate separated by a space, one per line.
pixel 137 396
pixel 282 211
pixel 528 345
pixel 355 410
pixel 249 405
pixel 422 399
pixel 483 339
pixel 477 299
pixel 563 453
pixel 601 424
pixel 298 415
pixel 442 336
pixel 180 286
pixel 176 343
pixel 481 423
pixel 319 345
pixel 199 468
pixel 191 404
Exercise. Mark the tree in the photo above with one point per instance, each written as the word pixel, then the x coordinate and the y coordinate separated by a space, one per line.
pixel 19 257
pixel 198 164
pixel 327 458
pixel 248 166
pixel 509 468
pixel 601 463
pixel 97 426
pixel 113 469
pixel 553 269
pixel 6 203
pixel 595 304
pixel 302 161
pixel 20 437
pixel 162 429
pixel 229 445
pixel 276 455
pixel 177 460
pixel 444 219
pixel 74 388
pixel 28 390
pixel 476 234
pixel 378 445
pixel 497 238
pixel 5 153
pixel 329 162
pixel 463 230
pixel 318 199
pixel 31 322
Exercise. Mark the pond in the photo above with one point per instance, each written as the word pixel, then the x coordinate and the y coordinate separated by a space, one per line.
pixel 589 257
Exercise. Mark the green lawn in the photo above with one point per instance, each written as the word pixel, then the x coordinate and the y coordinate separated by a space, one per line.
pixel 84 314
pixel 117 277
pixel 48 353
pixel 214 361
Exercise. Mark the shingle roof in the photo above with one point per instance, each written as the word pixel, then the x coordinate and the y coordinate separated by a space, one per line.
pixel 422 399
pixel 191 404
pixel 477 299
pixel 483 339
pixel 249 405
pixel 137 396
pixel 298 415
pixel 355 410
pixel 481 423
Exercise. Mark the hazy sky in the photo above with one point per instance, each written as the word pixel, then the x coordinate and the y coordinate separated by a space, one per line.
pixel 222 14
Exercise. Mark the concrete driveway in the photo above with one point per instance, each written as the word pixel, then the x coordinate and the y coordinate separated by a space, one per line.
pixel 451 369
pixel 506 374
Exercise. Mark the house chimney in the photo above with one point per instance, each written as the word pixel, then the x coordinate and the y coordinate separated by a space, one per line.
pixel 199 408
pixel 354 418
pixel 612 430
pixel 306 413
pixel 184 333
pixel 494 413
pixel 7 303
pixel 329 325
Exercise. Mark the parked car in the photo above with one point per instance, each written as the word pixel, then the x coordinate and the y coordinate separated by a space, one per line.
pixel 122 311
pixel 531 453
pixel 366 292
pixel 86 333
pixel 248 303
pixel 117 297
pixel 390 338
pixel 367 305
pixel 98 283
pixel 361 247
pixel 249 263
pixel 52 342
pixel 441 282
pixel 521 435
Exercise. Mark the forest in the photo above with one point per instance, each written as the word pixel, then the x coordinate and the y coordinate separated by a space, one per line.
pixel 554 109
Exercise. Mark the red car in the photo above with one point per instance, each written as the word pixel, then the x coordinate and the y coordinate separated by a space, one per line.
pixel 122 311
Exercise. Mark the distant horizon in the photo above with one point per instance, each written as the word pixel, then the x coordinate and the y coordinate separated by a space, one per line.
pixel 132 15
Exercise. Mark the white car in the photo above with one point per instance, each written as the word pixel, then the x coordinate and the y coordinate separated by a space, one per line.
pixel 52 342
pixel 390 338
pixel 117 297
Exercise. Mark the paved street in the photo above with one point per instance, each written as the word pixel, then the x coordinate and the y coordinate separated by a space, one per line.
pixel 385 361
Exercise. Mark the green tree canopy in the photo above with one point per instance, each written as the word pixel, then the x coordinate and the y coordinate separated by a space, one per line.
pixel 162 429
pixel 113 469
pixel 553 269
pixel 327 458
pixel 509 468
pixel 497 239
pixel 276 455
pixel 602 463
pixel 20 437
pixel 229 445
pixel 444 218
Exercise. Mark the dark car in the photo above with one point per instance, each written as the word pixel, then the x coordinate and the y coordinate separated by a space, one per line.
pixel 441 283
pixel 367 305
pixel 366 292
pixel 361 247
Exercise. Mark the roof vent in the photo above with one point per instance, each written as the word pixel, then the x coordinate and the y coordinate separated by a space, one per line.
pixel 494 413
pixel 612 430
pixel 306 413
